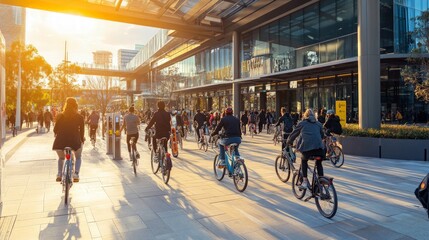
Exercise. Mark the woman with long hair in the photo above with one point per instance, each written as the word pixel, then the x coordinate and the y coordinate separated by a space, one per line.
pixel 69 131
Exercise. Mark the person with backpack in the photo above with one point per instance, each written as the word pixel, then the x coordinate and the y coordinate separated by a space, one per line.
pixel 332 124
pixel 244 120
pixel 287 122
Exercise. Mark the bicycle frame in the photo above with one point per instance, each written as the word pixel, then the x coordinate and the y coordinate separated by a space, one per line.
pixel 230 156
pixel 67 168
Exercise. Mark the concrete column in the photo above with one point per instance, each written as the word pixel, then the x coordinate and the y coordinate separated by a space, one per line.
pixel 236 73
pixel 369 63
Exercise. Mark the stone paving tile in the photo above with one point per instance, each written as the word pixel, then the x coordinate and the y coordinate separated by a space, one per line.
pixel 110 202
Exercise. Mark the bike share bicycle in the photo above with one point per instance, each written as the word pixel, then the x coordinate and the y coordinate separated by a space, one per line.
pixel 321 188
pixel 234 166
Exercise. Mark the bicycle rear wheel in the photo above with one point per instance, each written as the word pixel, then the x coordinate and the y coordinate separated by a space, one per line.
pixel 165 172
pixel 337 157
pixel 219 172
pixel 240 176
pixel 282 168
pixel 154 161
pixel 326 198
pixel 205 144
pixel 67 183
pixel 296 182
pixel 134 162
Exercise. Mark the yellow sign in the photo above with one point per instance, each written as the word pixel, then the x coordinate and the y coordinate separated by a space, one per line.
pixel 341 111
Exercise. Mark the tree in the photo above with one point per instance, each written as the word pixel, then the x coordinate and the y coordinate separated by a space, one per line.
pixel 100 92
pixel 416 73
pixel 34 69
pixel 168 84
pixel 63 82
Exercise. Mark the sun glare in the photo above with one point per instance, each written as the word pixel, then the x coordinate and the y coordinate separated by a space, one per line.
pixel 71 25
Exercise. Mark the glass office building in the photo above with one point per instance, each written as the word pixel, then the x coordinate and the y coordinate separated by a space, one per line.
pixel 305 59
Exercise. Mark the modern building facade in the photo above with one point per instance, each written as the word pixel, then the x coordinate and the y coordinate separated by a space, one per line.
pixel 305 58
pixel 102 58
pixel 12 24
pixel 125 56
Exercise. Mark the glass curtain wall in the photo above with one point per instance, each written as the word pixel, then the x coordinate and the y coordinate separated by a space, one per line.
pixel 208 67
pixel 322 32
pixel 404 14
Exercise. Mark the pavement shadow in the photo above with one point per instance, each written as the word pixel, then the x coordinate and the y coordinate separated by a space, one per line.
pixel 65 225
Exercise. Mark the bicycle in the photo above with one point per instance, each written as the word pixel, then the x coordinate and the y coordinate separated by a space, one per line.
pixel 149 135
pixel 203 142
pixel 277 138
pixel 67 178
pixel 333 151
pixel 174 142
pixel 321 189
pixel 161 159
pixel 284 163
pixel 135 161
pixel 252 129
pixel 234 165
pixel 92 135
pixel 271 128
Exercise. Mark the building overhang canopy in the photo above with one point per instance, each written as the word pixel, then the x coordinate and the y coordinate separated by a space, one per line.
pixel 196 19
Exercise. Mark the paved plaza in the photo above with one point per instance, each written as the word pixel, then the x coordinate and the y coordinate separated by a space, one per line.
pixel 376 199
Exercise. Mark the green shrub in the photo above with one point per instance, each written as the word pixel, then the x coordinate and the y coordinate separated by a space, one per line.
pixel 388 131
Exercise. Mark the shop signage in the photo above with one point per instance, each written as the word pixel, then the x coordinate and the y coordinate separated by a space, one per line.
pixel 293 84
pixel 341 111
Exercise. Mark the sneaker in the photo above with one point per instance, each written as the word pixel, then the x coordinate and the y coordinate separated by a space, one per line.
pixel 75 177
pixel 137 154
pixel 59 178
pixel 304 185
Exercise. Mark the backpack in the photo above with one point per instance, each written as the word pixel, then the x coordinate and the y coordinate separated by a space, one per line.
pixel 336 127
pixel 287 124
pixel 421 193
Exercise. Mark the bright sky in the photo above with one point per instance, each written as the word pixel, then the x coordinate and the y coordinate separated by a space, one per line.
pixel 48 32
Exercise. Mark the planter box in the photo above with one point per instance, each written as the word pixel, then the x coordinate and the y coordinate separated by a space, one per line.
pixel 406 149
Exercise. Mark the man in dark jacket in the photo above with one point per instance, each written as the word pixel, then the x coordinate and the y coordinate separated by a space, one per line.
pixel 232 133
pixel 262 120
pixel 310 133
pixel 287 121
pixel 161 119
pixel 199 118
pixel 333 125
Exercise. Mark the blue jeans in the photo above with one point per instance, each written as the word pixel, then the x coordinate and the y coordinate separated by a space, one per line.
pixel 226 141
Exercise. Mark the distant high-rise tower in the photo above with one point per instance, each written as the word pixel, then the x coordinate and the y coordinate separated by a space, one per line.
pixel 125 56
pixel 12 24
pixel 102 58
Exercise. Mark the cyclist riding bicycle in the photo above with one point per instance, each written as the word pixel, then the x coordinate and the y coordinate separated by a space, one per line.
pixel 199 118
pixel 332 124
pixel 287 121
pixel 131 125
pixel 93 124
pixel 176 121
pixel 310 134
pixel 69 131
pixel 232 133
pixel 161 119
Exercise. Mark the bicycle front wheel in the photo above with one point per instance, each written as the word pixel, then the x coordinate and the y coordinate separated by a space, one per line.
pixel 326 198
pixel 282 168
pixel 337 157
pixel 296 182
pixel 154 161
pixel 240 176
pixel 219 171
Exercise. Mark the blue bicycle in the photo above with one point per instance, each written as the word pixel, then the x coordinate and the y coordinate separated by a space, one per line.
pixel 235 167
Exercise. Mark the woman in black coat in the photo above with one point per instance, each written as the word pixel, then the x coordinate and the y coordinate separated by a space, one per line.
pixel 69 131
